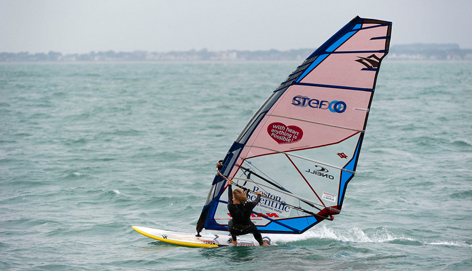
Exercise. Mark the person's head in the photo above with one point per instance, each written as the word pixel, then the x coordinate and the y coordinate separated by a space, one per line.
pixel 239 197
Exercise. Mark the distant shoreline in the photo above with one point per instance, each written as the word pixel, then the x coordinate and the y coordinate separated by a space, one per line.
pixel 5 63
pixel 407 52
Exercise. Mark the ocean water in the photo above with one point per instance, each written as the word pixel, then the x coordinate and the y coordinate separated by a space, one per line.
pixel 88 150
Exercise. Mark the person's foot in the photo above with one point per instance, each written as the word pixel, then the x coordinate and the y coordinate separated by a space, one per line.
pixel 234 242
pixel 265 244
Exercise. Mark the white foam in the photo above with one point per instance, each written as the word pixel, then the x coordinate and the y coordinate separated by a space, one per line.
pixel 352 234
pixel 357 235
pixel 451 243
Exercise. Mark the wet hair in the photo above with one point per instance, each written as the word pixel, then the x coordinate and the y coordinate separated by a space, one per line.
pixel 240 196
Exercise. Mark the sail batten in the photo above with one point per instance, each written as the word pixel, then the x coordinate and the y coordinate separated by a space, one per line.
pixel 360 52
pixel 304 158
pixel 325 124
pixel 335 86
pixel 303 144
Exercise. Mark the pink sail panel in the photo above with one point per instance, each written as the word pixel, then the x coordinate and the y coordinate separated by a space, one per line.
pixel 305 117
pixel 314 135
pixel 347 70
pixel 316 104
pixel 366 39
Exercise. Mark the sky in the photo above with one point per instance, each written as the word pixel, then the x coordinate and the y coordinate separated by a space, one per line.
pixel 82 26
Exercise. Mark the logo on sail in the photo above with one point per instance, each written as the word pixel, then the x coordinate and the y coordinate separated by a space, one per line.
pixel 371 62
pixel 284 134
pixel 320 171
pixel 273 201
pixel 333 106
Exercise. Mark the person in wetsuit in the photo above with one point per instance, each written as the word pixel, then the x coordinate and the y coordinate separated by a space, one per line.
pixel 240 211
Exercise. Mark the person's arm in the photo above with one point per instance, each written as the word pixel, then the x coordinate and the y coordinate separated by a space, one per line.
pixel 253 203
pixel 230 194
pixel 259 194
pixel 230 188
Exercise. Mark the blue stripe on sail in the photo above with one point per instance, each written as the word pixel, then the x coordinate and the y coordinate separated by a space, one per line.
pixel 295 225
pixel 312 66
pixel 330 49
pixel 276 227
pixel 300 223
pixel 340 41
pixel 346 176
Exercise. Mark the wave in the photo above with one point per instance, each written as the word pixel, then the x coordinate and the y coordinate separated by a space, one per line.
pixel 324 234
pixel 462 195
pixel 451 243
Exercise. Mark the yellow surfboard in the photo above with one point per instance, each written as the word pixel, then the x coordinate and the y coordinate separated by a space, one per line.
pixel 190 240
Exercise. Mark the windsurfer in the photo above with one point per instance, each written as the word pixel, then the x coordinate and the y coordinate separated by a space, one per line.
pixel 240 211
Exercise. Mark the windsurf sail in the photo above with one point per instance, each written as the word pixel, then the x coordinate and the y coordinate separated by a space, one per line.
pixel 301 147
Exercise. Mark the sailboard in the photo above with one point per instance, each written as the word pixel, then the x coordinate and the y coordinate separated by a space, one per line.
pixel 190 240
pixel 301 147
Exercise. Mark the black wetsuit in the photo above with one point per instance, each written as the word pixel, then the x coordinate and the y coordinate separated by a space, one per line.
pixel 241 218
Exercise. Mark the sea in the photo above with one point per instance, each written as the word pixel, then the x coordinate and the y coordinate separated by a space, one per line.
pixel 88 150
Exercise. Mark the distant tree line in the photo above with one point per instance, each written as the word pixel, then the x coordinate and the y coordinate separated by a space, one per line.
pixel 408 52
pixel 420 51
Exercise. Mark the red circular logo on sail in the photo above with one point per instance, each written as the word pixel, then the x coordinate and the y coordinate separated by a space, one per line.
pixel 284 134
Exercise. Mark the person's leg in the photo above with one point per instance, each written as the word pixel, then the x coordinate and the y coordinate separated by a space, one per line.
pixel 233 236
pixel 257 235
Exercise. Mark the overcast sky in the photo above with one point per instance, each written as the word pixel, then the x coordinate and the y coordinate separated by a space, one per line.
pixel 82 26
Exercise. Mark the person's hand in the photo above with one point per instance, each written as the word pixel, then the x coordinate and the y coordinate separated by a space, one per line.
pixel 230 181
pixel 259 193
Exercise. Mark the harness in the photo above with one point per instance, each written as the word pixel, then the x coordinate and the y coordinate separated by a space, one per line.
pixel 241 227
